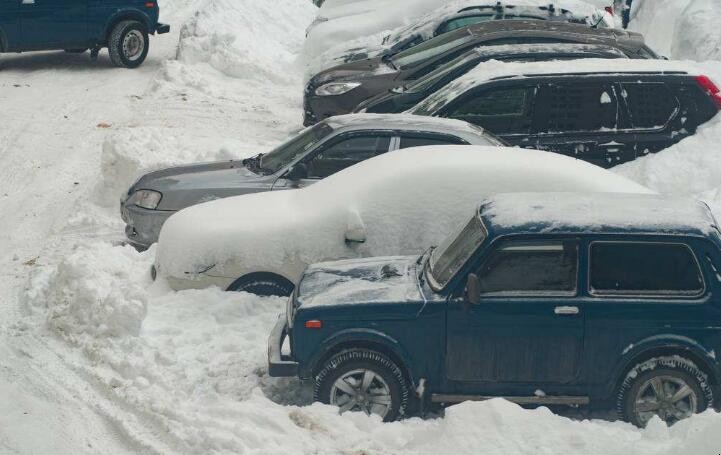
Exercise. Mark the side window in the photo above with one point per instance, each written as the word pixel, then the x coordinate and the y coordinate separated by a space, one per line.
pixel 563 107
pixel 635 268
pixel 346 153
pixel 501 110
pixel 531 268
pixel 651 105
pixel 419 141
pixel 459 22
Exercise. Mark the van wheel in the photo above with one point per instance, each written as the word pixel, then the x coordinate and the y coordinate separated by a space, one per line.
pixel 672 388
pixel 128 44
pixel 263 284
pixel 76 51
pixel 365 381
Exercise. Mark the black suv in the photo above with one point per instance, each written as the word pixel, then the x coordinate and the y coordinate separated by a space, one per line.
pixel 340 89
pixel 603 114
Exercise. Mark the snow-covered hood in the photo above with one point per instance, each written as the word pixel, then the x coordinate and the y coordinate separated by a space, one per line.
pixel 361 281
pixel 183 186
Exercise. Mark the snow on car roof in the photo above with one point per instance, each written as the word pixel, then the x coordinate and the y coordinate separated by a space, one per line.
pixel 407 122
pixel 494 69
pixel 533 48
pixel 584 212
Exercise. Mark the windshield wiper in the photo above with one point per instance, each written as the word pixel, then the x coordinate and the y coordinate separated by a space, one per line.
pixel 420 260
pixel 255 164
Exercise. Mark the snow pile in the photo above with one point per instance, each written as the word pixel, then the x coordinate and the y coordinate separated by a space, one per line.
pixel 680 29
pixel 131 152
pixel 97 291
pixel 690 168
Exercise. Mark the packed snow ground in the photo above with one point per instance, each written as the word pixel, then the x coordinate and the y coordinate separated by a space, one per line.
pixel 94 358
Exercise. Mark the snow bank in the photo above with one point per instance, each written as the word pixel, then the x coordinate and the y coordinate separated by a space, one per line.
pixel 680 29
pixel 690 168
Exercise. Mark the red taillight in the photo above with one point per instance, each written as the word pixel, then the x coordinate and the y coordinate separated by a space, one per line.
pixel 313 324
pixel 609 9
pixel 150 5
pixel 713 91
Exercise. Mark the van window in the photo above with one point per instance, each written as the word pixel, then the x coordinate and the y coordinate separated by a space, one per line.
pixel 651 105
pixel 564 107
pixel 530 268
pixel 637 268
pixel 500 110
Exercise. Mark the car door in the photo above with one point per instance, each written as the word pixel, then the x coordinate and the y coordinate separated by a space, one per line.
pixel 338 154
pixel 53 24
pixel 505 110
pixel 527 332
pixel 582 117
pixel 10 24
pixel 638 289
pixel 654 112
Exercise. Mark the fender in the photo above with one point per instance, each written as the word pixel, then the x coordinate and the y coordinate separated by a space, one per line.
pixel 359 335
pixel 127 13
pixel 668 342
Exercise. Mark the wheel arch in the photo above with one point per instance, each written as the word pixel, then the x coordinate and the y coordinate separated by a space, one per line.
pixel 126 15
pixel 362 339
pixel 664 346
pixel 262 276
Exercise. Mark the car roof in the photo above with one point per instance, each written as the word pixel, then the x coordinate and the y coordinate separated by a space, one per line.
pixel 403 122
pixel 512 27
pixel 494 70
pixel 558 213
pixel 545 48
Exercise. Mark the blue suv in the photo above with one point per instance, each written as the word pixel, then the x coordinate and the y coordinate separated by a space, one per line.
pixel 122 26
pixel 543 299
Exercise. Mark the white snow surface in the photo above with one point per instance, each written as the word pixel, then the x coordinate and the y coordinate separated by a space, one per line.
pixel 407 200
pixel 680 29
pixel 96 359
pixel 593 212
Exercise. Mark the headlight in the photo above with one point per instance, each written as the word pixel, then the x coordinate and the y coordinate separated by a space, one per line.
pixel 336 88
pixel 147 199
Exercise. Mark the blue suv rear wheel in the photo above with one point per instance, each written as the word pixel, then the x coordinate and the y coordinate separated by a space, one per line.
pixel 128 44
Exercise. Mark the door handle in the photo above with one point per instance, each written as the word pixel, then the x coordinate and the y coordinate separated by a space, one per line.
pixel 566 310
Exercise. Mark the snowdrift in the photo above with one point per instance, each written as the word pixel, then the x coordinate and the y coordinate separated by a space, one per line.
pixel 680 29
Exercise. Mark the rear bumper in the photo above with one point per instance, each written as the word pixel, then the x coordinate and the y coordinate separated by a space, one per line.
pixel 280 365
pixel 162 28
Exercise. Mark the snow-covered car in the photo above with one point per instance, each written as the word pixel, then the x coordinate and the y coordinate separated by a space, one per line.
pixel 338 90
pixel 345 29
pixel 397 203
pixel 603 111
pixel 306 158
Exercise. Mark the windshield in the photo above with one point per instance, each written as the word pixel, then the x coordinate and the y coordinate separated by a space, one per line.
pixel 447 71
pixel 430 49
pixel 289 151
pixel 454 252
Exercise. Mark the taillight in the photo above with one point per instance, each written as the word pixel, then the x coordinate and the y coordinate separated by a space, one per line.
pixel 609 9
pixel 713 91
pixel 150 4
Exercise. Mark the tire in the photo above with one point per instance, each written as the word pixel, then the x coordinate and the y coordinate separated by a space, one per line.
pixel 683 389
pixel 128 44
pixel 76 51
pixel 263 284
pixel 349 369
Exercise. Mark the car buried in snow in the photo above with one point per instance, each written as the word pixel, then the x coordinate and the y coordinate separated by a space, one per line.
pixel 338 90
pixel 543 299
pixel 306 158
pixel 606 112
pixel 75 26
pixel 396 203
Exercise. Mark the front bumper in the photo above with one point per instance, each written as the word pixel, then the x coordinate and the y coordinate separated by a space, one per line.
pixel 142 225
pixel 280 365
pixel 162 28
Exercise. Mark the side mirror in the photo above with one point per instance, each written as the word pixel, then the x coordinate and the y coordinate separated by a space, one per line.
pixel 473 289
pixel 355 231
pixel 297 172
